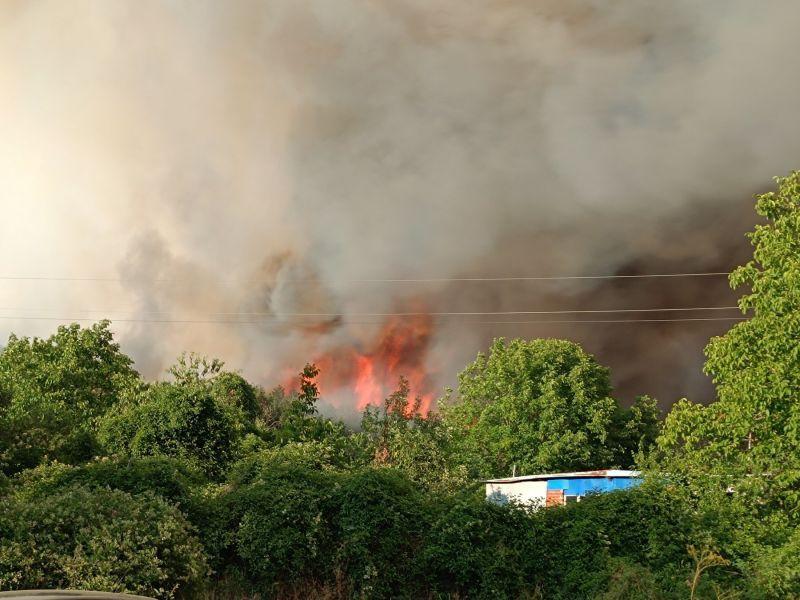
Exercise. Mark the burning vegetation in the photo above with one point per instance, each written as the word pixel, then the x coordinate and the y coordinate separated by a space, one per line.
pixel 371 370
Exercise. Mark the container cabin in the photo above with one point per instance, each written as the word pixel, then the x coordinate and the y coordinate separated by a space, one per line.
pixel 556 489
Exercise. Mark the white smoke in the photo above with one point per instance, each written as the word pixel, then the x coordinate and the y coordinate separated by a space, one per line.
pixel 257 157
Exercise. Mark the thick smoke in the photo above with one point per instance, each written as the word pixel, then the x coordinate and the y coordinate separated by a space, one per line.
pixel 240 160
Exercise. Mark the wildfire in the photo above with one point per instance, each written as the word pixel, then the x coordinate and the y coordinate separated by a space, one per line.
pixel 372 373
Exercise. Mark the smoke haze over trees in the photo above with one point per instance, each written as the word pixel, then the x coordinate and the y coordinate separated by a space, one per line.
pixel 258 157
pixel 206 485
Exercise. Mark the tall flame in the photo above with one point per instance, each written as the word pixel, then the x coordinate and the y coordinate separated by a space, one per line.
pixel 372 372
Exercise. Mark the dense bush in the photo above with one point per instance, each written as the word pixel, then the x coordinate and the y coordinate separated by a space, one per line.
pixel 272 531
pixel 99 539
pixel 326 455
pixel 283 536
pixel 234 390
pixel 631 581
pixel 477 549
pixel 166 477
pixel 52 391
pixel 182 421
pixel 776 571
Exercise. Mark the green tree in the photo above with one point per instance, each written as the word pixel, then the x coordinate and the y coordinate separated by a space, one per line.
pixel 294 417
pixel 230 389
pixel 183 420
pixel 754 426
pixel 542 405
pixel 419 445
pixel 306 403
pixel 635 430
pixel 53 390
pixel 740 455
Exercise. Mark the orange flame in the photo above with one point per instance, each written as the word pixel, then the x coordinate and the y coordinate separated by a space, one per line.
pixel 373 373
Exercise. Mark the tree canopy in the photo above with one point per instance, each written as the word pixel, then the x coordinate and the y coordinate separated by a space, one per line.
pixel 754 426
pixel 740 455
pixel 543 406
pixel 53 390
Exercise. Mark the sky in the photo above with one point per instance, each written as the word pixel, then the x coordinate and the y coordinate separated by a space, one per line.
pixel 242 179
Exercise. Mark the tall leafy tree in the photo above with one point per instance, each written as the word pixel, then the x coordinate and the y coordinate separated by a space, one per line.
pixel 741 454
pixel 635 430
pixel 540 405
pixel 231 390
pixel 754 426
pixel 53 390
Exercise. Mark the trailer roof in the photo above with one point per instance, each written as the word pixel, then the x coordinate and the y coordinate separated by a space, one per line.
pixel 570 475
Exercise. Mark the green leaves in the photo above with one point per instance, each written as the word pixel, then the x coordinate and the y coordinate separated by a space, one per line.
pixel 754 427
pixel 99 539
pixel 543 405
pixel 182 421
pixel 740 456
pixel 53 391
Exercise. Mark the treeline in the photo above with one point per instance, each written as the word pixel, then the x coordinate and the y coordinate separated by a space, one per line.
pixel 205 485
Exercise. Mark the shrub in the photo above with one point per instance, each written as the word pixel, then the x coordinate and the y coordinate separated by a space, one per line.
pixel 283 536
pixel 315 455
pixel 649 525
pixel 166 477
pixel 379 520
pixel 272 532
pixel 183 421
pixel 99 539
pixel 575 553
pixel 775 573
pixel 630 581
pixel 234 390
pixel 478 549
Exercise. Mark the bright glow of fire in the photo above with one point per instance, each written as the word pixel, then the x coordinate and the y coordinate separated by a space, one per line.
pixel 372 373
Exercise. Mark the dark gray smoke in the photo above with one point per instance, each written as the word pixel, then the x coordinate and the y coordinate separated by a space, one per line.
pixel 244 160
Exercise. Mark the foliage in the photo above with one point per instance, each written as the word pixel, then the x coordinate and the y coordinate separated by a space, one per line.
pixel 53 390
pixel 540 405
pixel 378 523
pixel 181 420
pixel 635 430
pixel 168 478
pixel 418 445
pixel 754 427
pixel 775 572
pixel 280 534
pixel 631 581
pixel 309 391
pixel 294 417
pixel 334 452
pixel 475 548
pixel 229 389
pixel 99 539
pixel 740 455
pixel 704 559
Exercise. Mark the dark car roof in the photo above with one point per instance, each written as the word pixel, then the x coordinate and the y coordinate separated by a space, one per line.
pixel 66 594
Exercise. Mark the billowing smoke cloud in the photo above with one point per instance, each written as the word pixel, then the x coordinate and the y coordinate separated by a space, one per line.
pixel 258 161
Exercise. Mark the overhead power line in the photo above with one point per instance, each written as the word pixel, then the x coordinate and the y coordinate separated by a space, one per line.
pixel 273 322
pixel 331 315
pixel 381 280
